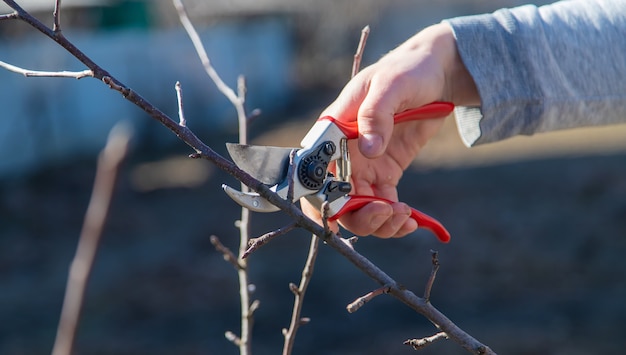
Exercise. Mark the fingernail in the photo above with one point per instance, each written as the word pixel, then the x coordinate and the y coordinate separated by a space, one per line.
pixel 371 145
pixel 407 210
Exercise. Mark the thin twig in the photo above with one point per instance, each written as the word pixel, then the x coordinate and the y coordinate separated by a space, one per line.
pixel 290 175
pixel 11 16
pixel 256 243
pixel 254 114
pixel 227 253
pixel 433 275
pixel 181 112
pixel 356 63
pixel 51 74
pixel 361 301
pixel 56 27
pixel 201 51
pixel 296 319
pixel 352 240
pixel 419 344
pixel 95 218
pixel 324 213
pixel 232 337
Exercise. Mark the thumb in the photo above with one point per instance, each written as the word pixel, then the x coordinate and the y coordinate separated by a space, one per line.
pixel 375 121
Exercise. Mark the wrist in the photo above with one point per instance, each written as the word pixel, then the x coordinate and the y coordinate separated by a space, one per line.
pixel 459 86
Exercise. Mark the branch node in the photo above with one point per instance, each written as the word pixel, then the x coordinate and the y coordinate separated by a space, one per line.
pixel 119 88
pixel 294 289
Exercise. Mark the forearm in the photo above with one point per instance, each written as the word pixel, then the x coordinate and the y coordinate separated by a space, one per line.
pixel 542 69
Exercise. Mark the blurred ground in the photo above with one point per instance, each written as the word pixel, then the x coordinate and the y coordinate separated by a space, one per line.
pixel 535 265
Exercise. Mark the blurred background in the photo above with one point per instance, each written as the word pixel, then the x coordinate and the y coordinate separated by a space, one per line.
pixel 535 265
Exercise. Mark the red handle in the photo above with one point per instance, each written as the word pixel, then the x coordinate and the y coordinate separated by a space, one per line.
pixel 433 110
pixel 423 220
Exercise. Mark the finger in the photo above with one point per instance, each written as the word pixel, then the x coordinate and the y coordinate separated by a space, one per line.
pixel 375 121
pixel 367 219
pixel 399 224
pixel 386 190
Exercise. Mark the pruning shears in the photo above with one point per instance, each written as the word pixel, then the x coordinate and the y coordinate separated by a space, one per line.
pixel 303 172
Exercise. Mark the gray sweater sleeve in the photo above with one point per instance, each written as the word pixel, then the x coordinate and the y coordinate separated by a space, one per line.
pixel 542 69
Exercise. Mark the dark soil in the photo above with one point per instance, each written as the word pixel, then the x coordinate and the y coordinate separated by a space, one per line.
pixel 536 266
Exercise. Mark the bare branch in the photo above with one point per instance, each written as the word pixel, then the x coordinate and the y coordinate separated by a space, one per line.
pixel 202 54
pixel 95 218
pixel 228 255
pixel 356 63
pixel 361 301
pixel 181 112
pixel 256 243
pixel 51 74
pixel 433 275
pixel 296 319
pixel 419 344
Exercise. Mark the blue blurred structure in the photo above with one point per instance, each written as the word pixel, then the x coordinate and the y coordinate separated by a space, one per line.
pixel 281 47
pixel 51 119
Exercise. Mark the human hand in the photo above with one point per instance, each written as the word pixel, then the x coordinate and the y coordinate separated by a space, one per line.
pixel 424 69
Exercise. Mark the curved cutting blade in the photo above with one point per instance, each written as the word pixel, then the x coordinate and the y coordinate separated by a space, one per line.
pixel 269 165
pixel 250 200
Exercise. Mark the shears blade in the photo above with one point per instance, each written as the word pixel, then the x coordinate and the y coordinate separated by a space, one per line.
pixel 250 200
pixel 267 164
